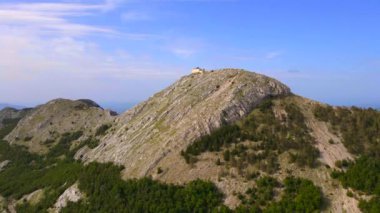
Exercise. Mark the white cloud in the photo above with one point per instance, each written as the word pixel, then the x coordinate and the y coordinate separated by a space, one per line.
pixel 53 17
pixel 46 54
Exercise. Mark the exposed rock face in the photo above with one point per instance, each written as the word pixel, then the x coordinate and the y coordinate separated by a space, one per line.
pixel 3 164
pixel 153 133
pixel 51 120
pixel 72 194
pixel 11 113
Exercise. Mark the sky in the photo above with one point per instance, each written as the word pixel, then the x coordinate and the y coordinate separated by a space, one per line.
pixel 118 51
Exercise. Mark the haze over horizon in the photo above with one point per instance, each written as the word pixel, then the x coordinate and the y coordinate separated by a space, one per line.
pixel 119 51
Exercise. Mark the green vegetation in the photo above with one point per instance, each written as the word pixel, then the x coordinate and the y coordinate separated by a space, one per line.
pixel 371 206
pixel 259 138
pixel 256 140
pixel 64 144
pixel 102 129
pixel 91 142
pixel 8 126
pixel 363 175
pixel 299 195
pixel 102 183
pixel 28 172
pixel 263 193
pixel 360 128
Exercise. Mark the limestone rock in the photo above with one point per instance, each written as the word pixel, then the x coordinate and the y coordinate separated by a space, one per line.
pixel 72 194
pixel 154 132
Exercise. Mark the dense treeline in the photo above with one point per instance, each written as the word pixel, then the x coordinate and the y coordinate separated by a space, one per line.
pixel 299 195
pixel 28 172
pixel 106 191
pixel 224 136
pixel 102 184
pixel 360 128
pixel 363 175
pixel 269 136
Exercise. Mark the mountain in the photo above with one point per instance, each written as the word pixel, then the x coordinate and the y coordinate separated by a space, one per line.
pixel 9 118
pixel 219 141
pixel 48 122
pixel 5 105
pixel 166 123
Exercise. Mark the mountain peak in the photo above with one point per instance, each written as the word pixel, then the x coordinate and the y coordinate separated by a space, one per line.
pixel 158 129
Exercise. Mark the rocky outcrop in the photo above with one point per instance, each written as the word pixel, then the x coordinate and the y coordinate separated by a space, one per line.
pixel 72 194
pixel 46 123
pixel 152 134
pixel 3 164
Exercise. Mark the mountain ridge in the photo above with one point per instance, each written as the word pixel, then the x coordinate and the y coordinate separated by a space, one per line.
pixel 228 126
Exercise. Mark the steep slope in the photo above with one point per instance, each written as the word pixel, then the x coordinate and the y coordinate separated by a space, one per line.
pixel 154 132
pixel 41 128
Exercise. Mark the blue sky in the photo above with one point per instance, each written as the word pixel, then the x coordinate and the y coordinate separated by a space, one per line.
pixel 126 50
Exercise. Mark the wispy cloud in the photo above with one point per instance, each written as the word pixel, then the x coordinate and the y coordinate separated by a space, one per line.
pixel 273 55
pixel 53 17
pixel 42 37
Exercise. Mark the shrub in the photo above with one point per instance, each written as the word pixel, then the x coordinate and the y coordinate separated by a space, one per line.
pixel 102 129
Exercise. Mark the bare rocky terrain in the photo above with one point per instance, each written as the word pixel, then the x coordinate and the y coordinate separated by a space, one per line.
pixel 153 133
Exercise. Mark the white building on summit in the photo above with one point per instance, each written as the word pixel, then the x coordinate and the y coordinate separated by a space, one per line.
pixel 198 70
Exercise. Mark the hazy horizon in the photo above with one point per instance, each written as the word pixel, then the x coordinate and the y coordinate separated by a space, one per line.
pixel 125 51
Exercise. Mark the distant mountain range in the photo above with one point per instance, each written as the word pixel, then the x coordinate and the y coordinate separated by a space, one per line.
pixel 114 106
pixel 3 105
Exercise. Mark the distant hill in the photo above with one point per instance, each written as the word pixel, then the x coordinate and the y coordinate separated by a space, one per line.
pixel 3 105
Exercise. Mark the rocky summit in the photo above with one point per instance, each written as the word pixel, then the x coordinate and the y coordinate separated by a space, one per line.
pixel 153 133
